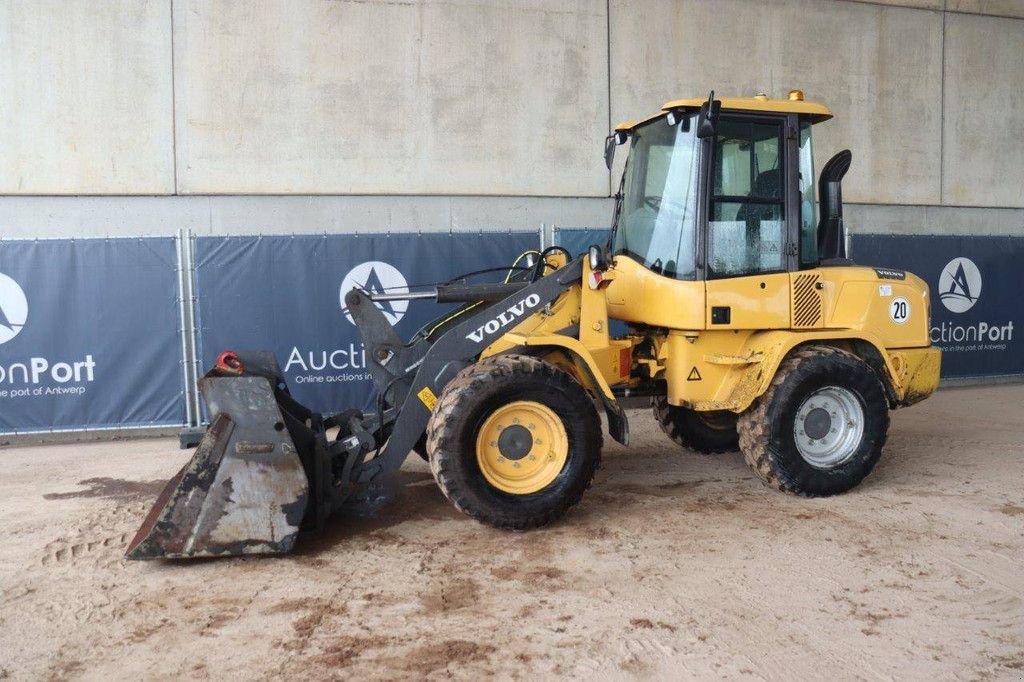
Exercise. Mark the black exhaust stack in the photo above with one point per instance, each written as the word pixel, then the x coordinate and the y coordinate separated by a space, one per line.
pixel 831 231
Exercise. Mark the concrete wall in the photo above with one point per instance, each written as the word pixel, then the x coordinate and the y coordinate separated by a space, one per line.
pixel 455 97
pixel 368 115
pixel 867 62
pixel 983 112
pixel 85 97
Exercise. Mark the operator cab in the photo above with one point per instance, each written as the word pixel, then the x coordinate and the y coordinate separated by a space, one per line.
pixel 725 188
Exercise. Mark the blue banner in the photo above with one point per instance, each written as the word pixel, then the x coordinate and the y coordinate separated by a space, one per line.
pixel 89 334
pixel 578 239
pixel 285 294
pixel 976 299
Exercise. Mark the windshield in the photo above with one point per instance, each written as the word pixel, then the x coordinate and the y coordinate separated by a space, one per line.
pixel 657 220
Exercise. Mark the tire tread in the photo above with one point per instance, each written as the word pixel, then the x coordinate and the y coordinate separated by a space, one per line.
pixel 443 437
pixel 754 424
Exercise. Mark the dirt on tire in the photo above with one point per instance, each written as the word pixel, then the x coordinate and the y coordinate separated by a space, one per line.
pixel 451 435
pixel 757 424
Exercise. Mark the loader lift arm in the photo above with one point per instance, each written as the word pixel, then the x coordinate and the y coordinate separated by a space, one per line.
pixel 428 366
pixel 232 498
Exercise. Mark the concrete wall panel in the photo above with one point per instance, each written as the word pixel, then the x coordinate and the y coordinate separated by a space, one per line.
pixel 85 97
pixel 916 4
pixel 938 220
pixel 983 149
pixel 23 217
pixel 368 96
pixel 879 68
pixel 1003 8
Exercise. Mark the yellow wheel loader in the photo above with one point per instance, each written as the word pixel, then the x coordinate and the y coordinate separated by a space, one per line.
pixel 746 326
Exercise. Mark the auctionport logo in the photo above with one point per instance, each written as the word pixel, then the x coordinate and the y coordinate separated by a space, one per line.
pixel 13 308
pixel 959 285
pixel 21 379
pixel 337 365
pixel 959 289
pixel 376 277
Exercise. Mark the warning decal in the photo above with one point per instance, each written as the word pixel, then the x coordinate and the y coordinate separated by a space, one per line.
pixel 694 374
pixel 427 397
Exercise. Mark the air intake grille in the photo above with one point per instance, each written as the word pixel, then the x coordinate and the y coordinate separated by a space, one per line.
pixel 806 301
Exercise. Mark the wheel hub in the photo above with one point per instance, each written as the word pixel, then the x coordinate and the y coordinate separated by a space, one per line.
pixel 521 447
pixel 515 442
pixel 829 426
pixel 818 423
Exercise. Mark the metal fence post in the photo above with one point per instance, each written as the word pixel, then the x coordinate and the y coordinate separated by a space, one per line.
pixel 193 304
pixel 183 329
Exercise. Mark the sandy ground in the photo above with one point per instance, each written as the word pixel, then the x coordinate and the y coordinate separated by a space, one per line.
pixel 674 566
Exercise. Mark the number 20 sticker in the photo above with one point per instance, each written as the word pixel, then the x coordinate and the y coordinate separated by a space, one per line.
pixel 899 310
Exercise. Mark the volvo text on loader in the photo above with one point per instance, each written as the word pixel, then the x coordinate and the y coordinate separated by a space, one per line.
pixel 747 326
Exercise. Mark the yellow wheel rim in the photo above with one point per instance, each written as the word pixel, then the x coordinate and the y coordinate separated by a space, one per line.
pixel 521 447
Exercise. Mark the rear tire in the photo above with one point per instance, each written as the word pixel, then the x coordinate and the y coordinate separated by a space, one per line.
pixel 708 433
pixel 819 428
pixel 514 399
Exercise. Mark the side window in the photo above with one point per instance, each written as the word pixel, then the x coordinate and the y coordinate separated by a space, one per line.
pixel 808 221
pixel 746 219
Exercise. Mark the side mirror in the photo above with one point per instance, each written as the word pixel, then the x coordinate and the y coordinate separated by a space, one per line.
pixel 707 120
pixel 597 258
pixel 610 143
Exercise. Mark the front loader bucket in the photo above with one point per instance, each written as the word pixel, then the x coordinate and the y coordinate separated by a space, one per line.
pixel 244 491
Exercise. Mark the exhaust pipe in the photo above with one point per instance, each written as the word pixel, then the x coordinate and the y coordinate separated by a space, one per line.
pixel 831 231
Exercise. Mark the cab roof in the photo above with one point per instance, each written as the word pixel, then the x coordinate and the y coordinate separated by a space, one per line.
pixel 793 104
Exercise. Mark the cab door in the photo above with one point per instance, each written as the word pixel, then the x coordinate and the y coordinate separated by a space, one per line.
pixel 748 244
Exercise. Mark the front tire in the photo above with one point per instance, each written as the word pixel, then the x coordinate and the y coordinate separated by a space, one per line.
pixel 514 442
pixel 819 428
pixel 708 433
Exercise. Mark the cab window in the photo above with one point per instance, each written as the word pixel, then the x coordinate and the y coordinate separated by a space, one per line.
pixel 657 223
pixel 746 214
pixel 808 223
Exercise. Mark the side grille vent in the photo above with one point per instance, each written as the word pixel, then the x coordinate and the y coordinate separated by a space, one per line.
pixel 806 301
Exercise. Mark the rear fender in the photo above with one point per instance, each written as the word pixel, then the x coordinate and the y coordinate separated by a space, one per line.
pixel 767 350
